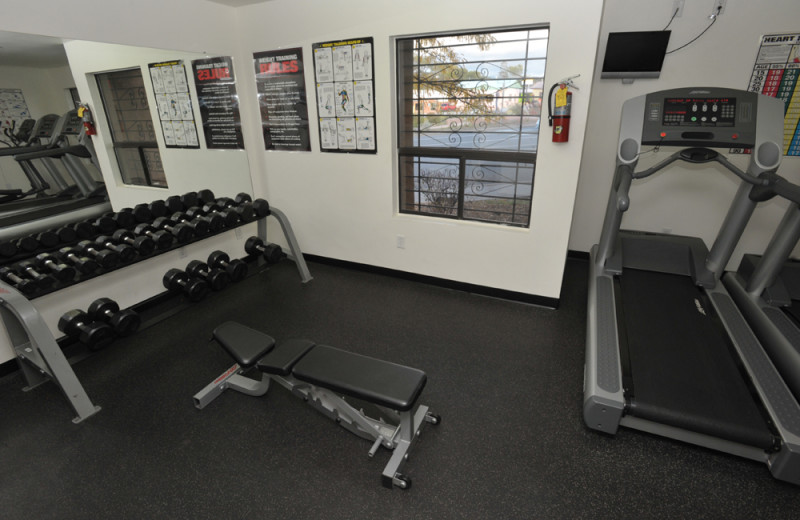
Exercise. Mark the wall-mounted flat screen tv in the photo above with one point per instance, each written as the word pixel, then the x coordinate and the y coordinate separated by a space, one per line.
pixel 638 54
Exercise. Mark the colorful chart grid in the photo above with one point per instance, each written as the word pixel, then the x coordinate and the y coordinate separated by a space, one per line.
pixel 776 74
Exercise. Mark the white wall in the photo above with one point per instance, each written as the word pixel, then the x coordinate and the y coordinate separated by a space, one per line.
pixel 345 206
pixel 686 199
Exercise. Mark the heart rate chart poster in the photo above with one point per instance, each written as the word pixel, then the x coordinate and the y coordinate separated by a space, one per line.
pixel 776 73
pixel 281 84
pixel 345 90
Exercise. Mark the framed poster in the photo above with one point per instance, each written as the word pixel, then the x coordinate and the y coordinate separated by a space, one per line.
pixel 281 85
pixel 215 83
pixel 175 112
pixel 344 74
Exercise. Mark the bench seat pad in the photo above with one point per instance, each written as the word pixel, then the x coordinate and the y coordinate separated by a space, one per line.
pixel 283 357
pixel 244 344
pixel 373 380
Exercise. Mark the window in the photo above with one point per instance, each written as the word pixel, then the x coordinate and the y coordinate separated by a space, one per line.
pixel 128 114
pixel 468 126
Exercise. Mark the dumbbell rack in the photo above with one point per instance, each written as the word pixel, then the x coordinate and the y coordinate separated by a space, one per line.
pixel 40 357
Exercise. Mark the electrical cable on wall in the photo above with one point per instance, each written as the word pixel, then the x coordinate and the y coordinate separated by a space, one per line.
pixel 670 20
pixel 713 21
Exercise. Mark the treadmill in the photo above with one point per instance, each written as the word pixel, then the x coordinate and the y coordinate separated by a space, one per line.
pixel 86 199
pixel 667 351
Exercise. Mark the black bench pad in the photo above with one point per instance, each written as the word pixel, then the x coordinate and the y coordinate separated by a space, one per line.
pixel 284 356
pixel 373 380
pixel 246 345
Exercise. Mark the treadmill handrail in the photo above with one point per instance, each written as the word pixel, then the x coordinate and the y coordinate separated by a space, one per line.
pixel 765 180
pixel 77 150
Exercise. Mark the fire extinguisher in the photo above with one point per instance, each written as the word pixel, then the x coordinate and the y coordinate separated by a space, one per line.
pixel 559 118
pixel 86 116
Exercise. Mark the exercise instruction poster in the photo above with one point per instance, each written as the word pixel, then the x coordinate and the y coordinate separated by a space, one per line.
pixel 174 103
pixel 215 83
pixel 345 84
pixel 281 85
pixel 776 74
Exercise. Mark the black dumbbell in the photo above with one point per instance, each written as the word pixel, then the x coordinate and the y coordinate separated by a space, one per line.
pixel 181 232
pixel 104 225
pixel 162 238
pixel 217 279
pixel 174 203
pixel 107 259
pixel 126 253
pixel 47 239
pixel 62 271
pixel 93 334
pixel 177 280
pixel 205 197
pixel 82 229
pixel 83 264
pixel 28 244
pixel 122 219
pixel 25 286
pixel 261 207
pixel 143 244
pixel 66 235
pixel 28 268
pixel 215 221
pixel 123 322
pixel 200 226
pixel 8 249
pixel 244 209
pixel 232 218
pixel 158 208
pixel 236 269
pixel 272 253
pixel 140 213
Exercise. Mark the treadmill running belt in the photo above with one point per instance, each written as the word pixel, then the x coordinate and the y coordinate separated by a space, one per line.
pixel 683 373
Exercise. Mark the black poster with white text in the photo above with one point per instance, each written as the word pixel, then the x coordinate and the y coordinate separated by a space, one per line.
pixel 219 103
pixel 280 80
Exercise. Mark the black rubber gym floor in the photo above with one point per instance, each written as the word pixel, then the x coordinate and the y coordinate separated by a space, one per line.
pixel 506 378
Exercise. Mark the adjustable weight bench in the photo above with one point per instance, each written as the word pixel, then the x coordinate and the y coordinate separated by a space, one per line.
pixel 325 377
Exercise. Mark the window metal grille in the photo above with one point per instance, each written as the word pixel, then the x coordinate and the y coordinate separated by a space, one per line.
pixel 132 132
pixel 469 109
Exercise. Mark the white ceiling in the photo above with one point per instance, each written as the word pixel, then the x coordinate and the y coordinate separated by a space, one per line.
pixel 27 50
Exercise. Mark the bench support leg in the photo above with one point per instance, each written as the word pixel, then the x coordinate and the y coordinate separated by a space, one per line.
pixel 411 423
pixel 233 379
pixel 399 433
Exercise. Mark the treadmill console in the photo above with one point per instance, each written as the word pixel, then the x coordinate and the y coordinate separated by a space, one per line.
pixel 45 126
pixel 73 124
pixel 701 117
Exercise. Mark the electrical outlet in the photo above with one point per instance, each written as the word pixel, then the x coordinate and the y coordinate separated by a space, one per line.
pixel 182 252
pixel 238 233
pixel 719 8
pixel 401 241
pixel 677 8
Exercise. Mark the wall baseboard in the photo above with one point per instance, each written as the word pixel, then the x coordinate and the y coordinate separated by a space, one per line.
pixel 531 299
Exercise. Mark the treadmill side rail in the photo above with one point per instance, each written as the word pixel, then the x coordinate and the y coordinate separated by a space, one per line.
pixel 603 400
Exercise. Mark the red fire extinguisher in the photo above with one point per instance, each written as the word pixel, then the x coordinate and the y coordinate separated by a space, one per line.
pixel 86 115
pixel 559 117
